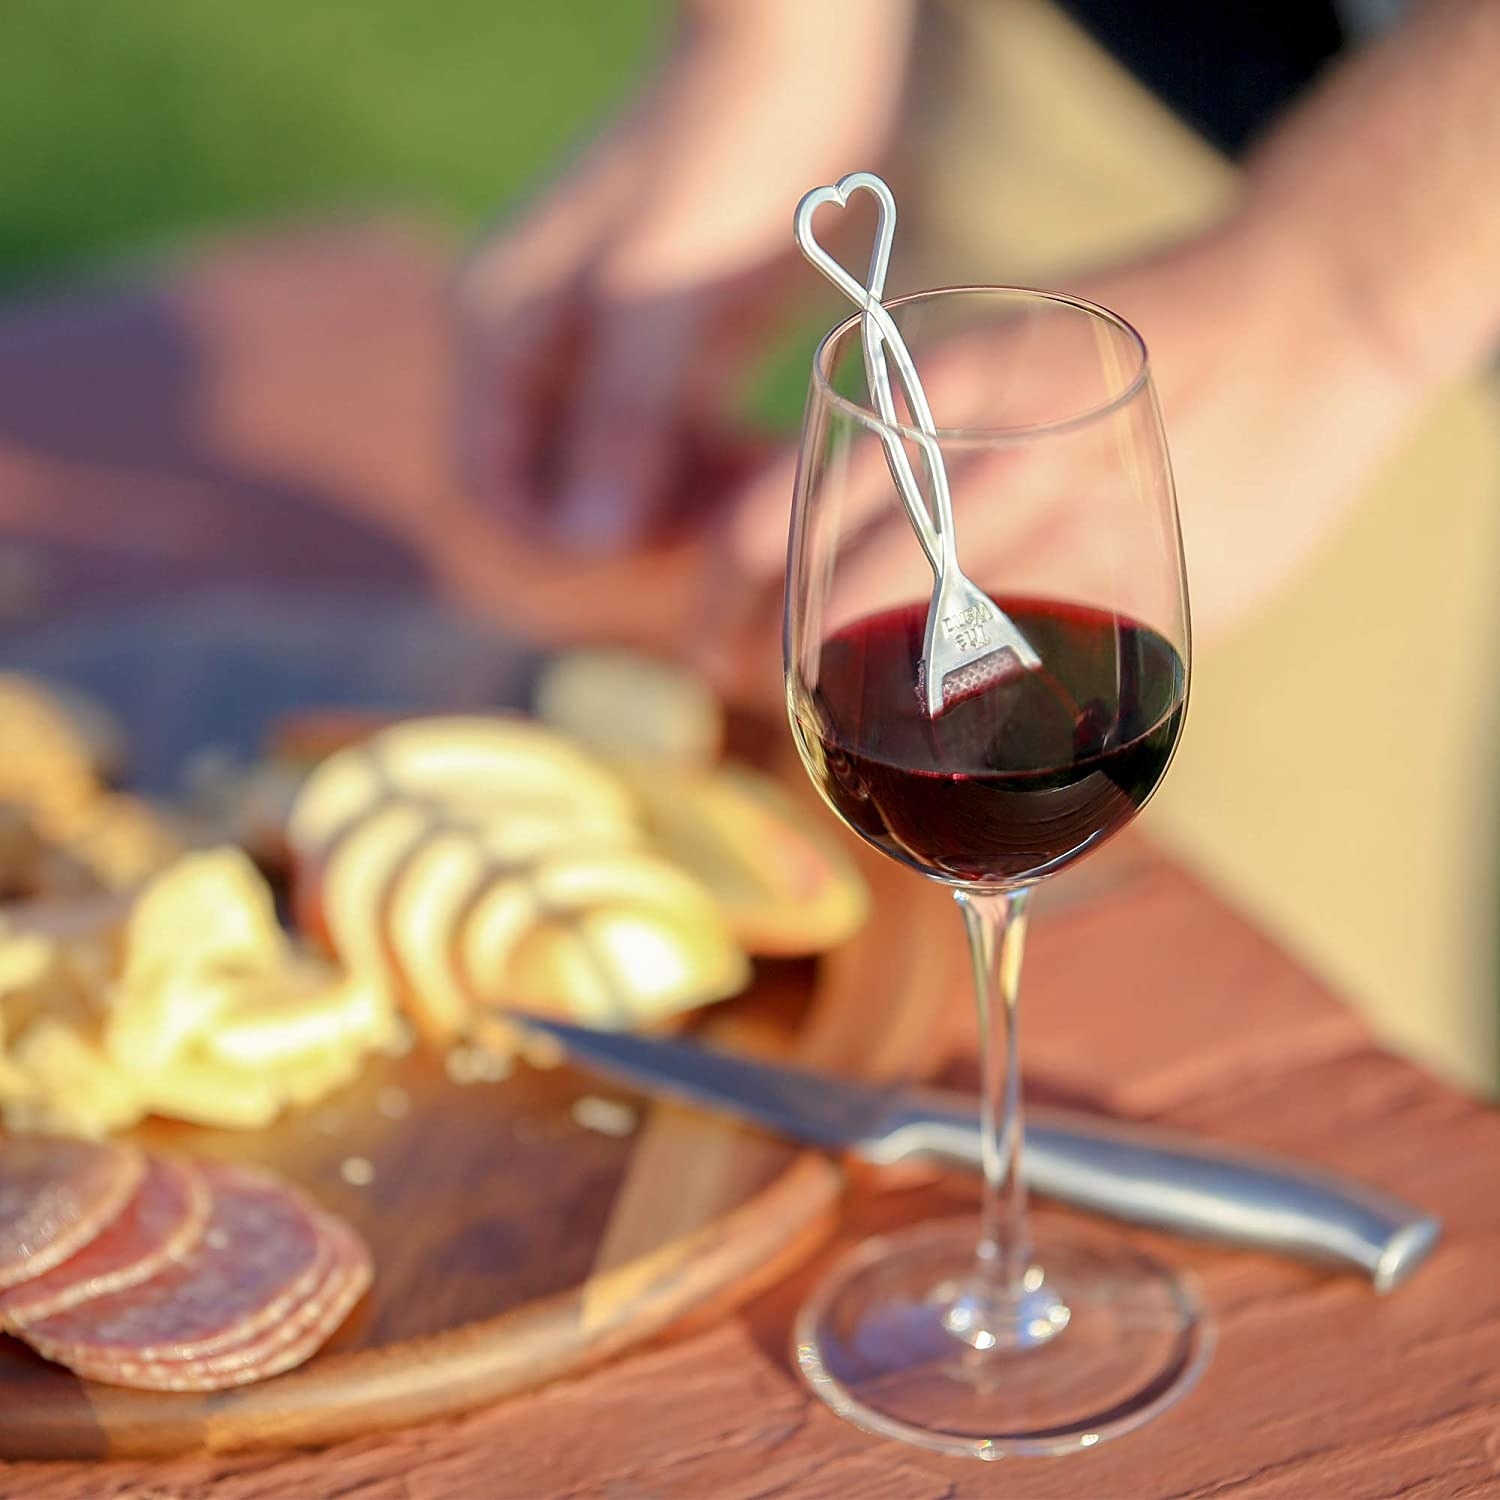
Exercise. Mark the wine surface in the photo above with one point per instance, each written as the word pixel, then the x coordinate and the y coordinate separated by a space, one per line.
pixel 1014 781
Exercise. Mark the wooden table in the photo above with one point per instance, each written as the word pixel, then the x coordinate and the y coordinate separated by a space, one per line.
pixel 275 414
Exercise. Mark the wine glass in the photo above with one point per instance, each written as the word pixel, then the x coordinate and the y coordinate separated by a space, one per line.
pixel 1001 1336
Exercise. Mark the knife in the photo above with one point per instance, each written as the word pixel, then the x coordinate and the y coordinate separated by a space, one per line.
pixel 1139 1173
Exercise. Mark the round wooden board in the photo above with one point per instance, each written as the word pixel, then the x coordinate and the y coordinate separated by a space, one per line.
pixel 514 1244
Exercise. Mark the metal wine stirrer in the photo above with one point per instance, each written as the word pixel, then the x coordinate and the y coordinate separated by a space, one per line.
pixel 969 641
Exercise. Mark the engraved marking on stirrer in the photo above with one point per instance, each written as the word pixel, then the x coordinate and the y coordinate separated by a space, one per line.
pixel 966 627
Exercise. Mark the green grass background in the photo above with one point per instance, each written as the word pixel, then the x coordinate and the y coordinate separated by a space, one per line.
pixel 126 123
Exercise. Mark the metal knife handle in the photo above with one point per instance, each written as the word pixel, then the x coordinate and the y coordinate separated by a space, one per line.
pixel 1151 1176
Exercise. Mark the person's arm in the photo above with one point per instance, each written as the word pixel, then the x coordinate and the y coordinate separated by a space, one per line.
pixel 1295 343
pixel 1389 173
pixel 600 327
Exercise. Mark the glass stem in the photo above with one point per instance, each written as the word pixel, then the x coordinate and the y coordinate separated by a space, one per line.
pixel 1007 1303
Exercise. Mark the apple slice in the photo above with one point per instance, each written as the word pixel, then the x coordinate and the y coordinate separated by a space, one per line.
pixel 505 909
pixel 620 967
pixel 618 938
pixel 356 877
pixel 428 895
pixel 786 888
pixel 342 787
pixel 571 882
pixel 455 765
pixel 443 874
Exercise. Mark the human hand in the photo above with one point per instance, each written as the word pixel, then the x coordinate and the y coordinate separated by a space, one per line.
pixel 601 331
pixel 1276 407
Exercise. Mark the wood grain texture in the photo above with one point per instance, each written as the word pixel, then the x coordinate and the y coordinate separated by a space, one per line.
pixel 512 1245
pixel 1154 1001
pixel 1319 1388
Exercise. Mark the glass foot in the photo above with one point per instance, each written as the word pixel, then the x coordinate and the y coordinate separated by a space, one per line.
pixel 900 1341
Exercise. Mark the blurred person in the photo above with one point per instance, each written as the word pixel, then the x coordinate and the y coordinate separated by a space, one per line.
pixel 1294 341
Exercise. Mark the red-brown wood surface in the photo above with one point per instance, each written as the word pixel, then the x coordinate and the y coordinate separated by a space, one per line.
pixel 301 384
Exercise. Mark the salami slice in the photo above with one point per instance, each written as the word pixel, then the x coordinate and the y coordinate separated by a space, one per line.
pixel 164 1219
pixel 290 1342
pixel 262 1253
pixel 55 1196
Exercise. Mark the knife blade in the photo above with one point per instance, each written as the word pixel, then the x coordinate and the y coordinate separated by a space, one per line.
pixel 1142 1174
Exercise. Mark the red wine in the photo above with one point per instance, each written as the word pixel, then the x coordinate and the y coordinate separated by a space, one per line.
pixel 1013 781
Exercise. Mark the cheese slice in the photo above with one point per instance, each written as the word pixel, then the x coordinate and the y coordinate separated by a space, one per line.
pixel 73 1086
pixel 275 1018
pixel 206 1092
pixel 209 908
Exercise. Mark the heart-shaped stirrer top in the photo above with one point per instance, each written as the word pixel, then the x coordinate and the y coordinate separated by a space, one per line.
pixel 878 332
pixel 885 233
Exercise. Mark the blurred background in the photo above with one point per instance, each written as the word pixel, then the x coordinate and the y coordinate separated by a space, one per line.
pixel 132 126
pixel 1341 772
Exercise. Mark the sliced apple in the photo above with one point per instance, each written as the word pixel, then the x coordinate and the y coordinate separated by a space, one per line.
pixel 573 882
pixel 616 939
pixel 442 876
pixel 785 886
pixel 618 967
pixel 463 761
pixel 455 765
pixel 622 705
pixel 428 895
pixel 356 877
pixel 498 918
pixel 342 787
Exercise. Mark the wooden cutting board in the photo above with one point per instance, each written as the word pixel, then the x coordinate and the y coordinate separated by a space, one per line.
pixel 515 1240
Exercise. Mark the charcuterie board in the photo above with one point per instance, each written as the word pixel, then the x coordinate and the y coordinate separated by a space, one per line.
pixel 526 1227
pixel 240 521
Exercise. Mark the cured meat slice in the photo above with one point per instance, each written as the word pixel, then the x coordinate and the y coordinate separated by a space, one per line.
pixel 164 1218
pixel 295 1338
pixel 55 1196
pixel 263 1251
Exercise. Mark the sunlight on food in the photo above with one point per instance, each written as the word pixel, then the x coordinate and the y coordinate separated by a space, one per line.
pixel 606 1116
